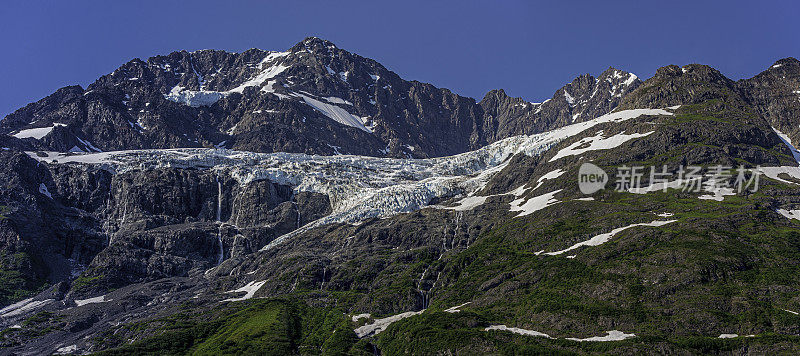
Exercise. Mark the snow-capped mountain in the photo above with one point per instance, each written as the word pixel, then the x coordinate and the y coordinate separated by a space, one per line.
pixel 313 98
pixel 213 202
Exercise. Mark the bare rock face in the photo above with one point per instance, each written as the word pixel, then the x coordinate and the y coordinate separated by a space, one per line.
pixel 691 84
pixel 61 221
pixel 43 241
pixel 314 98
pixel 583 99
pixel 775 95
pixel 100 248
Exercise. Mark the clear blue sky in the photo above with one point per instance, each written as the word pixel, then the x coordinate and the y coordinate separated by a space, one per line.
pixel 527 48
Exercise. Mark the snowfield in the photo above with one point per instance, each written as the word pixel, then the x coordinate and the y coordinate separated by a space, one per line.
pixel 37 133
pixel 23 306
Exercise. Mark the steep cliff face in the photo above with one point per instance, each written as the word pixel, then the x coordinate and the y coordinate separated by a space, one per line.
pixel 583 99
pixel 313 98
pixel 61 221
pixel 132 250
pixel 43 241
pixel 775 95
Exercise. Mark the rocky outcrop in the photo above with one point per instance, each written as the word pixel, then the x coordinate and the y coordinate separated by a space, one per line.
pixel 583 99
pixel 133 243
pixel 775 95
pixel 314 98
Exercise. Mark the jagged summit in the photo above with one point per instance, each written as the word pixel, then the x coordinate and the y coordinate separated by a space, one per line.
pixel 312 98
pixel 283 244
pixel 790 61
pixel 314 44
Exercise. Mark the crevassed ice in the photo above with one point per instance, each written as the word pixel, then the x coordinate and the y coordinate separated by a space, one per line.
pixel 359 187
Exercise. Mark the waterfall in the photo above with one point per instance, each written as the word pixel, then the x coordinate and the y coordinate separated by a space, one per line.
pixel 324 272
pixel 219 200
pixel 296 279
pixel 221 247
pixel 221 255
pixel 297 208
pixel 235 240
pixel 419 288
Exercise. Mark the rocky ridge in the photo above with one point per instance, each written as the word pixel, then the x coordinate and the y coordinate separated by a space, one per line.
pixel 118 246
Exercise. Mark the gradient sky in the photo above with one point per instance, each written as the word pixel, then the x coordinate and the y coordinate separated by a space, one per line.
pixel 527 48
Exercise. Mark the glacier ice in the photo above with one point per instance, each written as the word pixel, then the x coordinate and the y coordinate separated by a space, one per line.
pixel 358 187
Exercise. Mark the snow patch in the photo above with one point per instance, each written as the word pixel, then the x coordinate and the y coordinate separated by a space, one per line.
pixel 789 214
pixel 569 98
pixel 518 331
pixel 597 142
pixel 456 308
pixel 631 78
pixel 336 113
pixel 199 98
pixel 100 299
pixel 267 72
pixel 612 335
pixel 88 145
pixel 23 306
pixel 250 289
pixel 533 204
pixel 379 325
pixel 37 133
pixel 469 203
pixel 335 100
pixel 774 172
pixel 662 186
pixel 603 238
pixel 788 142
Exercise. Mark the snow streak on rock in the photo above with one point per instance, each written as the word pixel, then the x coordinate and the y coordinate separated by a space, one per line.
pixel 603 238
pixel 379 325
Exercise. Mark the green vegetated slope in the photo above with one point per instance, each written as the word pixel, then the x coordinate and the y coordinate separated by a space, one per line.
pixel 724 267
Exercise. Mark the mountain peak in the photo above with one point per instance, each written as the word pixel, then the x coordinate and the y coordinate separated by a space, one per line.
pixel 788 61
pixel 314 45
